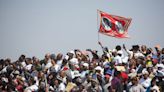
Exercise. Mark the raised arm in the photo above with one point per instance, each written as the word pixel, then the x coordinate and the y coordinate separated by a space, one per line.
pixel 95 56
pixel 105 49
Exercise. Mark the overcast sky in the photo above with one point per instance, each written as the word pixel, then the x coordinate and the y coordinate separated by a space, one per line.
pixel 36 27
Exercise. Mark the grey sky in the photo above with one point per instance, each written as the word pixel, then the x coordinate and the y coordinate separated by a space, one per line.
pixel 35 27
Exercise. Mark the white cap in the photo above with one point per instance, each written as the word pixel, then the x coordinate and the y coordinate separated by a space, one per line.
pixel 16 72
pixel 160 65
pixel 132 75
pixel 98 68
pixel 133 70
pixel 86 64
pixel 144 71
pixel 66 57
pixel 114 50
pixel 72 52
pixel 74 61
pixel 75 74
pixel 23 78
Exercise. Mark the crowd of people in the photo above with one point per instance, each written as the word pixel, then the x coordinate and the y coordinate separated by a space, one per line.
pixel 139 69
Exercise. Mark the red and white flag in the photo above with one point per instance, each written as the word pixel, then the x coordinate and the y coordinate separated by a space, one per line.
pixel 113 25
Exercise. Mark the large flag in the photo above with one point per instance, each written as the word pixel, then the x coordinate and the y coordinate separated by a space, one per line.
pixel 113 25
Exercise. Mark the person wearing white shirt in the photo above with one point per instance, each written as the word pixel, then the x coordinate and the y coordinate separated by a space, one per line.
pixel 33 85
pixel 145 81
pixel 118 60
pixel 135 86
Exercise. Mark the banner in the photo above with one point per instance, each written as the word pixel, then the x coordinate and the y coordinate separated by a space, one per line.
pixel 113 25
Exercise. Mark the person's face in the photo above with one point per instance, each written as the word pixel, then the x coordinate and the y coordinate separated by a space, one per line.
pixel 148 58
pixel 56 82
pixel 70 55
pixel 84 68
pixel 98 71
pixel 162 51
pixel 150 69
pixel 89 78
pixel 91 66
pixel 51 76
pixel 62 74
pixel 103 58
pixel 34 58
pixel 133 82
pixel 47 56
pixel 99 77
pixel 37 62
pixel 1 67
pixel 33 68
pixel 143 48
pixel 138 61
pixel 145 76
pixel 59 56
pixel 133 66
pixel 93 83
pixel 114 53
pixel 154 82
pixel 40 74
pixel 53 62
pixel 149 51
pixel 107 79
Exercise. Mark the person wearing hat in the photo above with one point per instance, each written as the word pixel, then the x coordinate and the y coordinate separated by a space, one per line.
pixel 145 80
pixel 107 83
pixel 99 75
pixel 99 70
pixel 84 70
pixel 60 85
pixel 16 72
pixel 134 52
pixel 32 85
pixel 94 87
pixel 160 76
pixel 153 87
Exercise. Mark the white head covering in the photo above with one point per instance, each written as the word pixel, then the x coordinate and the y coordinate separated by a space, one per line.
pixel 144 71
pixel 98 68
pixel 74 61
pixel 86 64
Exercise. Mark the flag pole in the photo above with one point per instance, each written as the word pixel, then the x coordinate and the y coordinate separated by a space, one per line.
pixel 98 12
